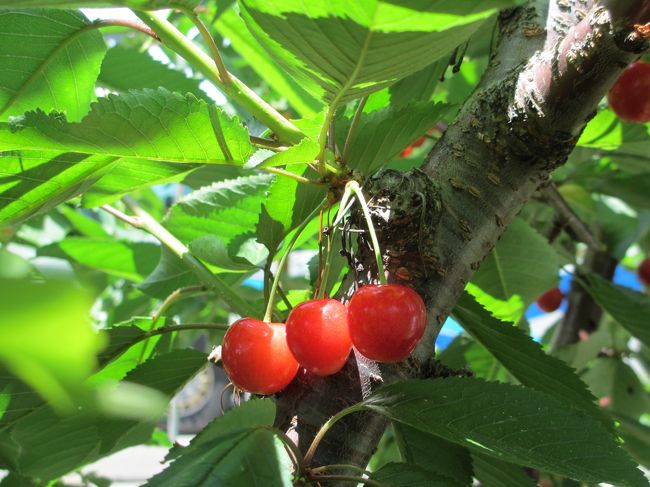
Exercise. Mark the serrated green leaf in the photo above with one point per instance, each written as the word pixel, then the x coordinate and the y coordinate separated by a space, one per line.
pixel 124 259
pixel 118 73
pixel 520 268
pixel 524 358
pixel 235 450
pixel 249 415
pixel 50 60
pixel 341 51
pixel 629 308
pixel 154 125
pixel 496 473
pixel 407 475
pixel 435 454
pixel 381 135
pixel 513 423
pixel 231 26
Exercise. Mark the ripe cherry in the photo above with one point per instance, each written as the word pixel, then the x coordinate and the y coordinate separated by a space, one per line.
pixel 318 335
pixel 386 321
pixel 550 300
pixel 256 357
pixel 643 271
pixel 630 95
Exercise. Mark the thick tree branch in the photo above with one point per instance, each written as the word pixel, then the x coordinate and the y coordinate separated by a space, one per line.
pixel 520 123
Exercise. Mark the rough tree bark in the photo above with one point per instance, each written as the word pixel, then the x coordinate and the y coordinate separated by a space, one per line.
pixel 551 67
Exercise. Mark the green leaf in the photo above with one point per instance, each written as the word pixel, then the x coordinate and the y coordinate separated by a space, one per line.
pixel 513 423
pixel 418 86
pixel 170 274
pixel 37 325
pixel 218 221
pixel 520 268
pixel 304 152
pixel 128 260
pixel 613 379
pixel 496 473
pixel 608 133
pixel 85 224
pixel 50 60
pixel 250 415
pixel 435 454
pixel 287 205
pixel 341 51
pixel 51 446
pixel 34 182
pixel 231 26
pixel 119 73
pixel 629 308
pixel 136 4
pixel 122 336
pixel 637 439
pixel 381 135
pixel 406 475
pixel 155 125
pixel 523 357
pixel 128 175
pixel 235 450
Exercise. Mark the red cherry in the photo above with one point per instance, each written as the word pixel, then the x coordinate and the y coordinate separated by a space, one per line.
pixel 630 95
pixel 406 152
pixel 550 300
pixel 318 335
pixel 386 321
pixel 419 142
pixel 256 357
pixel 643 271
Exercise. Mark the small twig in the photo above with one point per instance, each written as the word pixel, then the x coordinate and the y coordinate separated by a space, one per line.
pixel 212 45
pixel 580 228
pixel 180 293
pixel 149 224
pixel 267 143
pixel 131 24
pixel 326 427
pixel 353 126
pixel 134 222
pixel 289 174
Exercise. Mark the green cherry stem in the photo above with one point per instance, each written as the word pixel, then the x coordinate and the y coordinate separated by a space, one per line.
pixel 276 279
pixel 354 186
pixel 327 426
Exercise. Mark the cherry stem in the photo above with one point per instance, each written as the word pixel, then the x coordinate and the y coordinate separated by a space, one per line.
pixel 327 426
pixel 354 186
pixel 293 449
pixel 321 289
pixel 276 279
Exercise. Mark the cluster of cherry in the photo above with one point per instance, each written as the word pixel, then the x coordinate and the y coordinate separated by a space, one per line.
pixel 384 322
